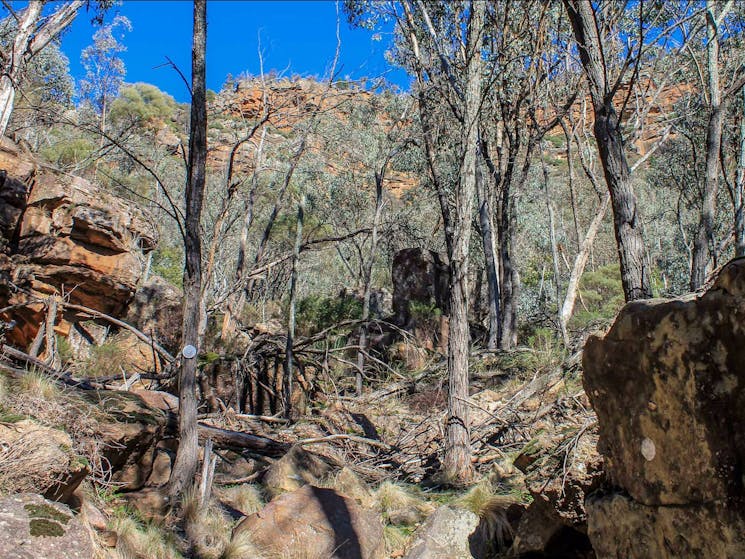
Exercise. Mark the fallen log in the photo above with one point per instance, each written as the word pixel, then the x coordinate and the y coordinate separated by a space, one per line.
pixel 236 439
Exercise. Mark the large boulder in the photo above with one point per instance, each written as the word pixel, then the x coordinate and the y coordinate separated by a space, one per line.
pixel 65 234
pixel 449 533
pixel 560 473
pixel 156 309
pixel 296 468
pixel 667 387
pixel 34 457
pixel 34 528
pixel 315 522
pixel 420 277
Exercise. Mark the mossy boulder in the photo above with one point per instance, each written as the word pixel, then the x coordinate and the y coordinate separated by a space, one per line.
pixel 33 527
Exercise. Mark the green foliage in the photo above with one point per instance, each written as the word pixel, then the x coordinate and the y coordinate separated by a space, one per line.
pixel 68 152
pixel 104 359
pixel 168 263
pixel 315 312
pixel 423 312
pixel 602 297
pixel 144 102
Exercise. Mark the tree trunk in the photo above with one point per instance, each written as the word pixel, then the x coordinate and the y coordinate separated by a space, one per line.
pixel 627 225
pixel 7 98
pixel 704 245
pixel 490 263
pixel 457 460
pixel 289 347
pixel 554 250
pixel 509 280
pixel 379 178
pixel 740 189
pixel 194 321
pixel 580 262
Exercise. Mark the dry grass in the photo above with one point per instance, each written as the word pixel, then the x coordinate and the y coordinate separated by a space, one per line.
pixel 137 541
pixel 491 508
pixel 240 547
pixel 393 496
pixel 207 528
pixel 37 396
pixel 31 463
pixel 246 498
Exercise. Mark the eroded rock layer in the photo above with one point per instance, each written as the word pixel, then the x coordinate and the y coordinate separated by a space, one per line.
pixel 61 234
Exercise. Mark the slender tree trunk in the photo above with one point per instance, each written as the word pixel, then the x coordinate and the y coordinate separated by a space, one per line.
pixel 7 99
pixel 554 250
pixel 635 275
pixel 580 262
pixel 457 460
pixel 194 321
pixel 509 280
pixel 490 262
pixel 739 197
pixel 290 346
pixel 704 244
pixel 367 294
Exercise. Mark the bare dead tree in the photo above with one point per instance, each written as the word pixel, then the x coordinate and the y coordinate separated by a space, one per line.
pixel 194 321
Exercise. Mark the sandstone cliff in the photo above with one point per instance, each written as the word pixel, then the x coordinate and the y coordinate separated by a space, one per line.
pixel 61 234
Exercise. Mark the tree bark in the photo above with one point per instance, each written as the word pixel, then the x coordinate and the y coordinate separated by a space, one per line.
pixel 739 197
pixel 194 321
pixel 367 295
pixel 289 347
pixel 635 275
pixel 704 244
pixel 490 262
pixel 457 460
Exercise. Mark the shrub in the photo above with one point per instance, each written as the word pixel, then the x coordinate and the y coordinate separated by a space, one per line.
pixel 315 313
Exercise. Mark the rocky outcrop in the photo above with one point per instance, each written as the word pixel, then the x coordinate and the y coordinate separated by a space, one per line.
pixel 420 278
pixel 156 309
pixel 295 469
pixel 33 527
pixel 315 522
pixel 61 234
pixel 666 385
pixel 129 436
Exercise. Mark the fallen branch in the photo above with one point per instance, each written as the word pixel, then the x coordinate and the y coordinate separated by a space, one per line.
pixel 236 439
pixel 353 438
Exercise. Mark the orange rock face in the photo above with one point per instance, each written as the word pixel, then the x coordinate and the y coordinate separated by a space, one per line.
pixel 63 235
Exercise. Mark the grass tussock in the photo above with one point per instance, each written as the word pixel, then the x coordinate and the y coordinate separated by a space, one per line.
pixel 36 397
pixel 246 498
pixel 393 496
pixel 136 540
pixel 491 507
pixel 208 529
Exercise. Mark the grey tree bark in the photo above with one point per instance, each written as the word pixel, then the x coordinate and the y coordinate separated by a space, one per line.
pixel 194 321
pixel 635 275
pixel 457 459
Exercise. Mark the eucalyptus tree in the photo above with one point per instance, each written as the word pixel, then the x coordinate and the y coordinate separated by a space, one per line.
pixel 34 30
pixel 194 320
pixel 718 91
pixel 104 68
pixel 526 96
pixel 596 28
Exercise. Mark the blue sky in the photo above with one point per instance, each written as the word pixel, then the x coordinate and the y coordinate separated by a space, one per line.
pixel 297 37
